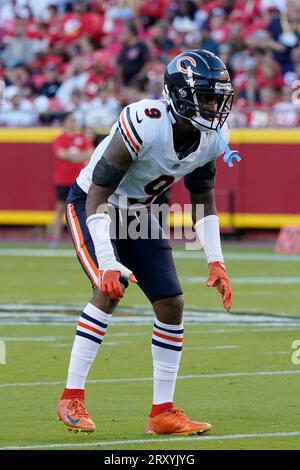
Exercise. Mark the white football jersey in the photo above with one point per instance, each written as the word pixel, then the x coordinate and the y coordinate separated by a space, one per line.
pixel 146 128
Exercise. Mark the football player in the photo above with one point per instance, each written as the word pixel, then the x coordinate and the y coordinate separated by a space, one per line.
pixel 153 145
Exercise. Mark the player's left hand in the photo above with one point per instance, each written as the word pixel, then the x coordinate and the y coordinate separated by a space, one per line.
pixel 218 278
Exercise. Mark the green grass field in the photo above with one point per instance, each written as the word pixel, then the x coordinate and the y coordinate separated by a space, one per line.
pixel 236 370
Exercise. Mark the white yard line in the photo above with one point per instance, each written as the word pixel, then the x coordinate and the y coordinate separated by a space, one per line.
pixel 265 326
pixel 261 293
pixel 277 353
pixel 240 327
pixel 253 281
pixel 21 314
pixel 186 348
pixel 190 255
pixel 37 253
pixel 148 379
pixel 213 348
pixel 38 339
pixel 227 437
pixel 69 345
pixel 28 308
pixel 43 314
pixel 239 256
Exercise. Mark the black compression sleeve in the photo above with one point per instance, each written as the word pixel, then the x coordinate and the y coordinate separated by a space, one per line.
pixel 201 180
pixel 107 175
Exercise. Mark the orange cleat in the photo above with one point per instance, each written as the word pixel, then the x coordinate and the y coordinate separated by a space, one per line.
pixel 74 415
pixel 174 421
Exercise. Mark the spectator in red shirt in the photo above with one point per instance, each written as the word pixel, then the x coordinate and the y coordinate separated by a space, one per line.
pixel 71 149
pixel 152 10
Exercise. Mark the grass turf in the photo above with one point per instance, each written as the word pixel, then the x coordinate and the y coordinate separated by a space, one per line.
pixel 236 405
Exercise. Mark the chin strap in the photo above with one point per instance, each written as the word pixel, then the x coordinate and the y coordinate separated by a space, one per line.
pixel 230 155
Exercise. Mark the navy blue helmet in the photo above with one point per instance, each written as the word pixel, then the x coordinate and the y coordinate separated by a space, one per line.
pixel 197 86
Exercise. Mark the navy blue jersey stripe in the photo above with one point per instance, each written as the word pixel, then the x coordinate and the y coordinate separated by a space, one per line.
pixel 176 332
pixel 132 126
pixel 87 336
pixel 91 319
pixel 126 138
pixel 166 346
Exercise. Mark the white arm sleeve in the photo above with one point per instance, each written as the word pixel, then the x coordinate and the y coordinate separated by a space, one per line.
pixel 208 231
pixel 98 225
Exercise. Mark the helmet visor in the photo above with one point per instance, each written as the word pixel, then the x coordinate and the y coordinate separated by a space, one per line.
pixel 208 108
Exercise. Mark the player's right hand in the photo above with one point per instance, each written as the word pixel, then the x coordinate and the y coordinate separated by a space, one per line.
pixel 109 280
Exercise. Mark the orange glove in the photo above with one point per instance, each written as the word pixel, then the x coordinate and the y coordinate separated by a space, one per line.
pixel 218 278
pixel 109 283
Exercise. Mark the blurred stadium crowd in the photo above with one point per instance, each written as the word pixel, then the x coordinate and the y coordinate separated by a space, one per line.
pixel 93 57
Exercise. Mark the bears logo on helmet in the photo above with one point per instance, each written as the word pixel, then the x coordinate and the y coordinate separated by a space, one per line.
pixel 182 59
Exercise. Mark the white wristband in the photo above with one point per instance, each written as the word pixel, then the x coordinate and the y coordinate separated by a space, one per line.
pixel 208 231
pixel 98 225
